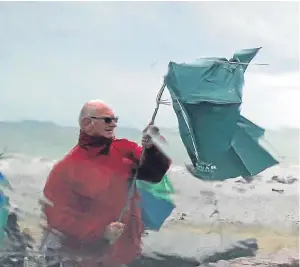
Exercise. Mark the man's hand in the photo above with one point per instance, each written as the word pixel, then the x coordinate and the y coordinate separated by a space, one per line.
pixel 149 131
pixel 146 141
pixel 113 231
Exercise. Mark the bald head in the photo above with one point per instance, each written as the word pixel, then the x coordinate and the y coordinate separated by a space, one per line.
pixel 91 108
pixel 92 118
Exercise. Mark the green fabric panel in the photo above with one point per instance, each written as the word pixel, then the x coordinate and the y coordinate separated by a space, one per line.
pixel 162 190
pixel 207 97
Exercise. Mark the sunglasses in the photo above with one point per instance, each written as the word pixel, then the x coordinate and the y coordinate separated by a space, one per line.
pixel 106 119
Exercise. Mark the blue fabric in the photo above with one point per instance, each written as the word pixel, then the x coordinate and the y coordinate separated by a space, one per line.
pixel 4 201
pixel 154 210
pixel 2 178
pixel 3 198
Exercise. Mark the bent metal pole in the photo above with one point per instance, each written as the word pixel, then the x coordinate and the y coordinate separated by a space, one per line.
pixel 133 183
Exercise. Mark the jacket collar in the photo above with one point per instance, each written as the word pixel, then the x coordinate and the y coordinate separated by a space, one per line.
pixel 98 145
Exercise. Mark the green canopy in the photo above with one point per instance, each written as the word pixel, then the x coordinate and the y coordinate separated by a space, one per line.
pixel 163 190
pixel 207 96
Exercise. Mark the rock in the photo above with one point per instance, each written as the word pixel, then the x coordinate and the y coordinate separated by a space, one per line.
pixel 249 179
pixel 242 248
pixel 207 193
pixel 278 190
pixel 145 233
pixel 282 258
pixel 278 179
pixel 177 249
pixel 242 181
pixel 282 180
pixel 163 260
pixel 239 189
pixel 291 180
pixel 182 217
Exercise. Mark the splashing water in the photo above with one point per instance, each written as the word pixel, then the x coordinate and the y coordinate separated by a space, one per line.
pixel 22 188
pixel 27 176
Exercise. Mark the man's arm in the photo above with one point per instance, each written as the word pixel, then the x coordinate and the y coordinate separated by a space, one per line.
pixel 154 164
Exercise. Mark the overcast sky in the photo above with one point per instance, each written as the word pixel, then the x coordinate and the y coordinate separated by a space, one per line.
pixel 55 56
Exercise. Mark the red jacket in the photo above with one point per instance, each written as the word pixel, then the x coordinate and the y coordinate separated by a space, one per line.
pixel 89 189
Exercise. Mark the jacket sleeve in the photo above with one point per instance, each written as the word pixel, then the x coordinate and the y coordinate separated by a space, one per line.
pixel 61 216
pixel 154 164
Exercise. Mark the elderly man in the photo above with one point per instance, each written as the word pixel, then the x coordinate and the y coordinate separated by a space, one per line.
pixel 89 188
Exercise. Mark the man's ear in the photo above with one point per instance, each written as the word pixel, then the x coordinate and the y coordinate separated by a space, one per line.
pixel 86 122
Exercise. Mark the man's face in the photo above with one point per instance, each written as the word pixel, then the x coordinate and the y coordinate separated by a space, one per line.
pixel 102 123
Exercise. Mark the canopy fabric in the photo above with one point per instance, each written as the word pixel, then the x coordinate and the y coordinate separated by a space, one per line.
pixel 4 201
pixel 207 97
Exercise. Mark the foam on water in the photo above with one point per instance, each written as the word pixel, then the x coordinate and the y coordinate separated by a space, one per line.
pixel 253 203
pixel 27 176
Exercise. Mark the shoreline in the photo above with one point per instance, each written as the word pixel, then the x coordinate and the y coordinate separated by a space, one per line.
pixel 269 240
